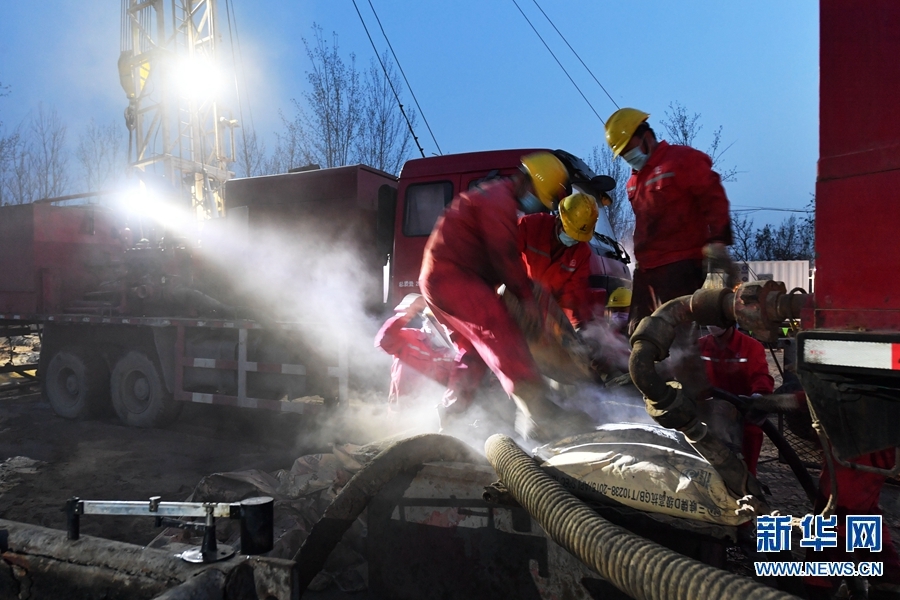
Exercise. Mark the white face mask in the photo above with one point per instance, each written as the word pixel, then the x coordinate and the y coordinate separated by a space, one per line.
pixel 636 158
pixel 716 331
pixel 566 239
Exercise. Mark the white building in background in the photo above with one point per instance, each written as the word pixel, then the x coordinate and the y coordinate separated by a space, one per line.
pixel 794 273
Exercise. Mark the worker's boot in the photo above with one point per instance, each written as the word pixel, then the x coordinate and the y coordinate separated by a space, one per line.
pixel 538 419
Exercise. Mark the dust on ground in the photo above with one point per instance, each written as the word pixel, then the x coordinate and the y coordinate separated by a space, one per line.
pixel 45 459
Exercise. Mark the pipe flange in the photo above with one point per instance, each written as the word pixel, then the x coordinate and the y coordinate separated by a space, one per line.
pixel 711 307
pixel 756 308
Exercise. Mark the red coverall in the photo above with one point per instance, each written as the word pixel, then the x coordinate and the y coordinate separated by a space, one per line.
pixel 679 207
pixel 858 494
pixel 562 270
pixel 469 254
pixel 740 368
pixel 415 360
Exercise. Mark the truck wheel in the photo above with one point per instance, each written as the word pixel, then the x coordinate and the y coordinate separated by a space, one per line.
pixel 139 394
pixel 76 383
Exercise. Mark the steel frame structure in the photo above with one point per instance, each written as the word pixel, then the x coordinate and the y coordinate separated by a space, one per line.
pixel 188 140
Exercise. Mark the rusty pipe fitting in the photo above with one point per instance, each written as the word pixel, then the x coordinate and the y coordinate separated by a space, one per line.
pixel 789 306
pixel 761 307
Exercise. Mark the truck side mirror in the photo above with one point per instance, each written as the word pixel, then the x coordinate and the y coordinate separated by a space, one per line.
pixel 384 224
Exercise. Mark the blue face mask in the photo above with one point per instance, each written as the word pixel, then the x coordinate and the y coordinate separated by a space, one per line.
pixel 636 158
pixel 566 239
pixel 530 204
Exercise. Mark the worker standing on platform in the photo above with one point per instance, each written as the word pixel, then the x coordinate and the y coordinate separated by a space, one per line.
pixel 680 210
pixel 471 252
pixel 736 363
pixel 557 257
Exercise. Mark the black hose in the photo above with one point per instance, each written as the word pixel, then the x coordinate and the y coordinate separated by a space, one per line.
pixel 638 567
pixel 355 496
pixel 787 452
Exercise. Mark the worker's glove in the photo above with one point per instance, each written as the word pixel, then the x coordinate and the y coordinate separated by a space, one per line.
pixel 717 258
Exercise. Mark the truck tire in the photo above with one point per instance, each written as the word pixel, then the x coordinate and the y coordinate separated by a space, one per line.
pixel 139 394
pixel 76 384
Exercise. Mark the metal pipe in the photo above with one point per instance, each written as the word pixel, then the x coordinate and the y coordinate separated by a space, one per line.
pixel 638 567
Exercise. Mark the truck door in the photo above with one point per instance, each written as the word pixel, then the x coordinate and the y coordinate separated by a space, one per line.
pixel 419 205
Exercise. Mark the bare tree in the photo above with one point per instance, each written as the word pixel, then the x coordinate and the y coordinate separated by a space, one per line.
pixel 743 231
pixel 790 240
pixel 683 128
pixel 37 162
pixel 384 137
pixel 289 147
pixel 251 156
pixel 8 142
pixel 47 149
pixel 620 214
pixel 101 154
pixel 329 126
pixel 18 185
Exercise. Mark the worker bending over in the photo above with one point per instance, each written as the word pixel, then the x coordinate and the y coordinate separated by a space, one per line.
pixel 680 210
pixel 557 257
pixel 736 363
pixel 471 252
pixel 420 353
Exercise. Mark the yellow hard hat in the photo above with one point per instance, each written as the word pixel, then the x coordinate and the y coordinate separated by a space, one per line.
pixel 548 175
pixel 621 125
pixel 578 214
pixel 620 298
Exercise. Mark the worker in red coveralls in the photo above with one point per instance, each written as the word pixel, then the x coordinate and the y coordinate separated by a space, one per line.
pixel 471 252
pixel 420 354
pixel 858 493
pixel 556 256
pixel 680 210
pixel 736 363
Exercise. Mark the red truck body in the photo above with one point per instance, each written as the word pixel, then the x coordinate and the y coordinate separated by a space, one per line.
pixel 849 351
pixel 49 257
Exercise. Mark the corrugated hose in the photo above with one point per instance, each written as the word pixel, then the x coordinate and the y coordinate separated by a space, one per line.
pixel 640 568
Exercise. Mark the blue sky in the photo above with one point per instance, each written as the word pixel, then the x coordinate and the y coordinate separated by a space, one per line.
pixel 481 75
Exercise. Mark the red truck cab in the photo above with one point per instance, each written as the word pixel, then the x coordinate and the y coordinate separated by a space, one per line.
pixel 428 185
